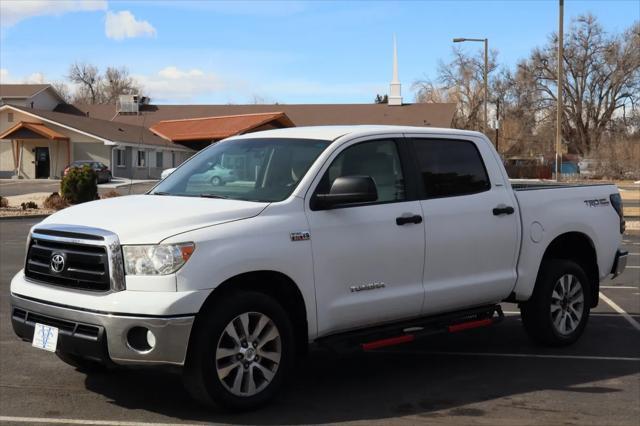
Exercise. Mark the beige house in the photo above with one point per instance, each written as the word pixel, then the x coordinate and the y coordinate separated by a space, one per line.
pixel 37 143
pixel 35 96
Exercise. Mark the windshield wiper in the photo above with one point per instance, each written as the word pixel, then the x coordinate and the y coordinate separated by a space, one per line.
pixel 224 197
pixel 160 193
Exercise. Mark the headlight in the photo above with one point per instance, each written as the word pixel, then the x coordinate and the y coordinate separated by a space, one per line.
pixel 159 259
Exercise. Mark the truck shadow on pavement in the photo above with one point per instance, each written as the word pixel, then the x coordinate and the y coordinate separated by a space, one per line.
pixel 384 385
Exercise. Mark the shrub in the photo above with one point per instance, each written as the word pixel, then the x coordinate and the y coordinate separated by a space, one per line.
pixel 79 185
pixel 110 194
pixel 29 205
pixel 4 203
pixel 55 202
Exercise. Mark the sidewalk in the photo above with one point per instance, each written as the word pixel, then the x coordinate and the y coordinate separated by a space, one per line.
pixel 119 182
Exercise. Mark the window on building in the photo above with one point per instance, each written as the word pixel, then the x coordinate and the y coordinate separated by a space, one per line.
pixel 141 159
pixel 10 117
pixel 450 167
pixel 121 159
pixel 159 159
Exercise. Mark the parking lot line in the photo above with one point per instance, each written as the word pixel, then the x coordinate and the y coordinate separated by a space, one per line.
pixel 85 422
pixel 596 314
pixel 628 287
pixel 621 311
pixel 515 355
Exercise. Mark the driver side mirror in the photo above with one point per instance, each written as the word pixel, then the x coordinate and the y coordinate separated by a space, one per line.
pixel 347 190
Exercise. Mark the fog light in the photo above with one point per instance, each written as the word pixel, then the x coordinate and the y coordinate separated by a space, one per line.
pixel 151 339
pixel 141 339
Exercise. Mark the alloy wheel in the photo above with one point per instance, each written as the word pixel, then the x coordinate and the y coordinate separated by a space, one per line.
pixel 248 354
pixel 567 304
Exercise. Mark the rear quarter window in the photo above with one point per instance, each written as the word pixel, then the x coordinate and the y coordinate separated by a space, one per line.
pixel 450 168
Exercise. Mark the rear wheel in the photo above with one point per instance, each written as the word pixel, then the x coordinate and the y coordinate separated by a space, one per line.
pixel 558 310
pixel 241 352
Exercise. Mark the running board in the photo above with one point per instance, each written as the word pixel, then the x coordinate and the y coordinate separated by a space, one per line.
pixel 409 331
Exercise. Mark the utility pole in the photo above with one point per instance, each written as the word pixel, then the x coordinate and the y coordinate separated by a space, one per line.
pixel 560 105
pixel 486 82
pixel 497 124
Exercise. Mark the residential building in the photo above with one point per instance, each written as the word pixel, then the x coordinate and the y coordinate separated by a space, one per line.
pixel 40 135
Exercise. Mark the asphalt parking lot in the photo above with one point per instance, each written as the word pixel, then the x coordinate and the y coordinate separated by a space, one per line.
pixel 492 376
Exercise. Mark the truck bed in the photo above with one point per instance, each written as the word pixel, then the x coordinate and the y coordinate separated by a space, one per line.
pixel 531 185
pixel 580 207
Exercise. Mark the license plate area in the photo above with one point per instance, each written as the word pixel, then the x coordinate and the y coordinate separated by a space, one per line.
pixel 45 337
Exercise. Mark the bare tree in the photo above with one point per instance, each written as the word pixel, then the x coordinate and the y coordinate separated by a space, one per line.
pixel 89 82
pixel 93 87
pixel 602 79
pixel 116 82
pixel 62 89
pixel 381 99
pixel 461 82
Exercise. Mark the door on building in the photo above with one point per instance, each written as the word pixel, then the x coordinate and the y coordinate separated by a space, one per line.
pixel 42 163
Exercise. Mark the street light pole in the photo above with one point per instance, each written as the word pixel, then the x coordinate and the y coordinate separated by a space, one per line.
pixel 486 73
pixel 560 105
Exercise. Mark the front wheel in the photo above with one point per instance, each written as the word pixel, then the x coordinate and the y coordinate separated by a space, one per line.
pixel 558 310
pixel 240 353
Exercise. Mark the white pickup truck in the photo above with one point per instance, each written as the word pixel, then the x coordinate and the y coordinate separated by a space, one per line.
pixel 353 237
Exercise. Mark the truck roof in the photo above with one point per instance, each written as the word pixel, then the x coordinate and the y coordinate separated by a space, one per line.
pixel 334 132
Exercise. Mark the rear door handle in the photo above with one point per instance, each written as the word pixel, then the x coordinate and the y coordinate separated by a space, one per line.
pixel 503 209
pixel 404 220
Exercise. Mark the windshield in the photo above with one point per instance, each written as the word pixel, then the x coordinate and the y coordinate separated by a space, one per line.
pixel 265 170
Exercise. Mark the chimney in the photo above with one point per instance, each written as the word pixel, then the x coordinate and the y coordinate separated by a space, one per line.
pixel 395 95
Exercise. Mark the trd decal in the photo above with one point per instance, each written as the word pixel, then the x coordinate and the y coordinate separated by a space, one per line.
pixel 597 202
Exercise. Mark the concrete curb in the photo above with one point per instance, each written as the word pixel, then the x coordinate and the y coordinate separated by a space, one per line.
pixel 21 217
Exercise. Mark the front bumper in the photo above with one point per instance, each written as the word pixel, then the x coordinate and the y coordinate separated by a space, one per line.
pixel 619 263
pixel 103 336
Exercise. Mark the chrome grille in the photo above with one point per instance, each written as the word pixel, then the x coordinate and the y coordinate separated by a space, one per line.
pixel 91 258
pixel 86 267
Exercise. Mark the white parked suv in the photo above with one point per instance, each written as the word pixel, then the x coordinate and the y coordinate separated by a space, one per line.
pixel 352 237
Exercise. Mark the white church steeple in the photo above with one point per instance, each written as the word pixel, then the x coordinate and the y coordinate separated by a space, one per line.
pixel 395 94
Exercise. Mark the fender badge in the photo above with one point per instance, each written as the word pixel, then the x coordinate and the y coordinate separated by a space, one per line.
pixel 300 236
pixel 367 286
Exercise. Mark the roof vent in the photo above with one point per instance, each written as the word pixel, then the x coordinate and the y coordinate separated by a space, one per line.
pixel 130 104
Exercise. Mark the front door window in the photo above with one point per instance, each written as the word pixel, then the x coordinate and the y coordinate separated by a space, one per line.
pixel 42 162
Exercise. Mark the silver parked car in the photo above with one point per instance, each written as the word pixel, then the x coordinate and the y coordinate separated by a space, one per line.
pixel 216 176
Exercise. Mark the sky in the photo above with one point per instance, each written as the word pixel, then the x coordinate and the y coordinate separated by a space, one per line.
pixel 189 52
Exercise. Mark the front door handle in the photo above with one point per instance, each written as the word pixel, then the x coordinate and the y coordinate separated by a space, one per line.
pixel 503 209
pixel 404 220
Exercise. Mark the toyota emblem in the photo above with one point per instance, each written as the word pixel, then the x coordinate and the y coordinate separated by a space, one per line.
pixel 57 262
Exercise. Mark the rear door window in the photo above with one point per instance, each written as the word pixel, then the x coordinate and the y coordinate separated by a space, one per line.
pixel 450 168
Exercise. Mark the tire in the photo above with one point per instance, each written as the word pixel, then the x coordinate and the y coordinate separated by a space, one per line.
pixel 85 365
pixel 216 181
pixel 236 372
pixel 558 311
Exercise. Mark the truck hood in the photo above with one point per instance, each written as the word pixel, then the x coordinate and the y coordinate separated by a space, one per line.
pixel 149 219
